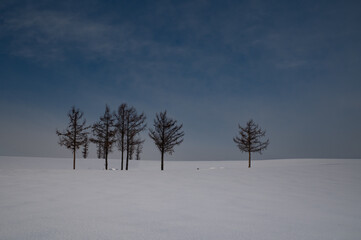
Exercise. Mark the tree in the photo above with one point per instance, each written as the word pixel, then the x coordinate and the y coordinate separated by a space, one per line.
pixel 100 153
pixel 104 135
pixel 129 125
pixel 120 116
pixel 250 139
pixel 138 151
pixel 166 134
pixel 135 124
pixel 75 135
pixel 136 147
pixel 86 148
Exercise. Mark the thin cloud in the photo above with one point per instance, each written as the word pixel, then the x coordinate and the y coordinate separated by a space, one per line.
pixel 50 34
pixel 53 35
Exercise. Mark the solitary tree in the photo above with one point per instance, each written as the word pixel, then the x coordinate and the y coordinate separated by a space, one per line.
pixel 75 135
pixel 166 134
pixel 104 135
pixel 250 139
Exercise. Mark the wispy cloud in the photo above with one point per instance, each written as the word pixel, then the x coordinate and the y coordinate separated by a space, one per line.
pixel 50 34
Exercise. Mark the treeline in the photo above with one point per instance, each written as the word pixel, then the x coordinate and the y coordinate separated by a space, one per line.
pixel 121 128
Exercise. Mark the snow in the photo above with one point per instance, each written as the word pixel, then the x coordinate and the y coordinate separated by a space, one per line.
pixel 276 199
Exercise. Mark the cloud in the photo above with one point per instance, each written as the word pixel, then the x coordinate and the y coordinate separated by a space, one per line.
pixel 53 34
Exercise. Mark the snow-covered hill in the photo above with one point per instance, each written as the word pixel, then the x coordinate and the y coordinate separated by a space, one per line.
pixel 276 199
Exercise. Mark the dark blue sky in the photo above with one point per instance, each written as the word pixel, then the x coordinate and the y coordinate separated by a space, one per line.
pixel 292 66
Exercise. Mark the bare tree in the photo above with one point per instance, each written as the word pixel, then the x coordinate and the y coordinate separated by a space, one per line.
pixel 104 135
pixel 131 152
pixel 135 124
pixel 121 117
pixel 138 151
pixel 250 139
pixel 86 148
pixel 166 134
pixel 136 147
pixel 129 125
pixel 100 153
pixel 75 135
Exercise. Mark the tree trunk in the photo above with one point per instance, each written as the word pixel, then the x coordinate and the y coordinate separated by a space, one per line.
pixel 106 161
pixel 126 165
pixel 127 148
pixel 121 163
pixel 162 162
pixel 74 159
pixel 249 159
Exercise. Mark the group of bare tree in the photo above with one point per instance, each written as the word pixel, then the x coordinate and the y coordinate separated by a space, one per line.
pixel 129 125
pixel 122 128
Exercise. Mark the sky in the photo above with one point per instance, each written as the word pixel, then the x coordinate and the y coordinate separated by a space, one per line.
pixel 294 67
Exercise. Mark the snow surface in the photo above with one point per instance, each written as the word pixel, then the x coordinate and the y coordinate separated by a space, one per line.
pixel 276 199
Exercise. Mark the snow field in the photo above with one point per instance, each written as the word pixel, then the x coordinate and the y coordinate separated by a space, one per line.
pixel 276 199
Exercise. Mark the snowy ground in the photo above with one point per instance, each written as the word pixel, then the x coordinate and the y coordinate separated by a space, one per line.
pixel 276 199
